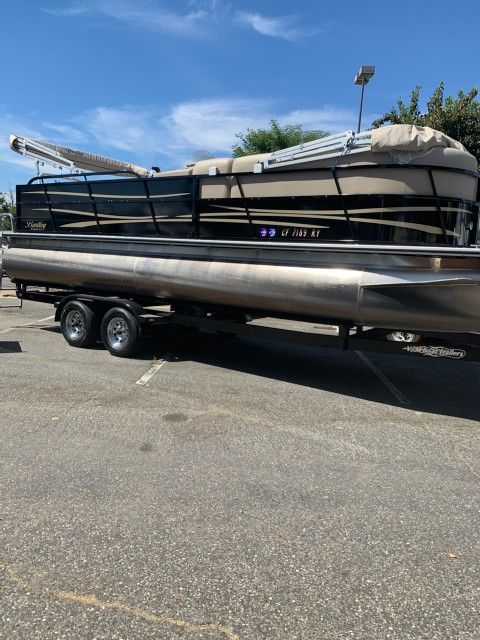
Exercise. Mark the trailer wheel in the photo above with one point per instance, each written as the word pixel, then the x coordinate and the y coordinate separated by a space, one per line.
pixel 121 332
pixel 404 336
pixel 79 324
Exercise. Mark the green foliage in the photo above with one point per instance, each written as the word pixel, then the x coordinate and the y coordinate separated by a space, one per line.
pixel 458 117
pixel 7 205
pixel 274 138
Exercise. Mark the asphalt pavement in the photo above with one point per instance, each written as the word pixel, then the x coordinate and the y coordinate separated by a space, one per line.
pixel 225 488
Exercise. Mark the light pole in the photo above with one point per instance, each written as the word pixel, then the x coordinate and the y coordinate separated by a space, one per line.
pixel 363 76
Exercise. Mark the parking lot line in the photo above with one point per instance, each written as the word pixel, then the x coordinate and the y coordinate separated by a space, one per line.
pixel 383 378
pixel 152 371
pixel 27 324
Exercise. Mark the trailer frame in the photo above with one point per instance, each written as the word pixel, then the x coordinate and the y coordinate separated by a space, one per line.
pixel 241 322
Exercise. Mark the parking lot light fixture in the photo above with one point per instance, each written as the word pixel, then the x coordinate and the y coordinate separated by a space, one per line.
pixel 362 77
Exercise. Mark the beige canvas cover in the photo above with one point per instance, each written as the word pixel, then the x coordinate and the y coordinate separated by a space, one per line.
pixel 407 137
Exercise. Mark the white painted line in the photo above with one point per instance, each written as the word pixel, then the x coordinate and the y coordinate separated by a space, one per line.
pixel 28 324
pixel 37 321
pixel 381 376
pixel 152 371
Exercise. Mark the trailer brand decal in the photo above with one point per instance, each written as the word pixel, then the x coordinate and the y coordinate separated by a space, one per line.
pixel 436 352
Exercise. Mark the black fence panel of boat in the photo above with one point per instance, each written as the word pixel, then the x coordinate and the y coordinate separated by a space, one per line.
pixel 177 207
pixel 126 207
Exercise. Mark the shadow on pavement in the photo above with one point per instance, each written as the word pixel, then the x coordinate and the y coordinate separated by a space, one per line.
pixel 10 347
pixel 442 387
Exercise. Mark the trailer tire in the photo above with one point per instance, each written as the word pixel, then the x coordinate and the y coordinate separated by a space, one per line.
pixel 404 336
pixel 121 333
pixel 79 324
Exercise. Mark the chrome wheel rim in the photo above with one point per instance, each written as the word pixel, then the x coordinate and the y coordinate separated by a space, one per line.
pixel 404 336
pixel 118 333
pixel 75 325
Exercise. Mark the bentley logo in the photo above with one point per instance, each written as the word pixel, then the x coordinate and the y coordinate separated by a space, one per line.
pixel 435 352
pixel 35 226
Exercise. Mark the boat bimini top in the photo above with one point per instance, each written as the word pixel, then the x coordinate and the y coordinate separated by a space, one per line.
pixel 70 159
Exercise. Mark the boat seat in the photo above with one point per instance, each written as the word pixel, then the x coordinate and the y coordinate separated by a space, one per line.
pixel 405 181
pixel 214 186
pixel 399 181
pixel 245 164
pixel 176 172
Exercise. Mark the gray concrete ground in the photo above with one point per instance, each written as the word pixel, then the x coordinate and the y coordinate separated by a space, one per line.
pixel 246 490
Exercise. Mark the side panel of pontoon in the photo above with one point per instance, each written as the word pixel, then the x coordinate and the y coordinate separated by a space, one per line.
pixel 366 202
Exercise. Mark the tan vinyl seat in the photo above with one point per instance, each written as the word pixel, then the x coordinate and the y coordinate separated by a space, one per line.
pixel 402 145
pixel 176 172
pixel 291 183
pixel 214 186
pixel 454 185
pixel 398 181
pixel 245 164
pixel 406 181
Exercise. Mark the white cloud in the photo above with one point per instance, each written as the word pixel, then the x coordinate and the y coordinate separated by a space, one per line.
pixel 276 27
pixel 9 157
pixel 75 9
pixel 129 129
pixel 213 123
pixel 327 118
pixel 146 14
pixel 155 18
pixel 149 136
pixel 195 20
pixel 66 133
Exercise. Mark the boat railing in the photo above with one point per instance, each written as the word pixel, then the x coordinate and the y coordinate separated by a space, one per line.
pixel 83 174
pixel 335 172
pixel 86 175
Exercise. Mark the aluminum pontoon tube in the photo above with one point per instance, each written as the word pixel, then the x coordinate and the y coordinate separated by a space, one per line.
pixel 415 299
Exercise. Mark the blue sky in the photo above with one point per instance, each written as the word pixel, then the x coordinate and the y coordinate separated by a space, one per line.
pixel 150 81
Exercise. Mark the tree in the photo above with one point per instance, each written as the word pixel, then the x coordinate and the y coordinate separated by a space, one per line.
pixel 7 205
pixel 274 138
pixel 458 117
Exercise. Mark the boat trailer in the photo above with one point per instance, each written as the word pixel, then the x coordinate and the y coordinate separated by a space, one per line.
pixel 108 316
